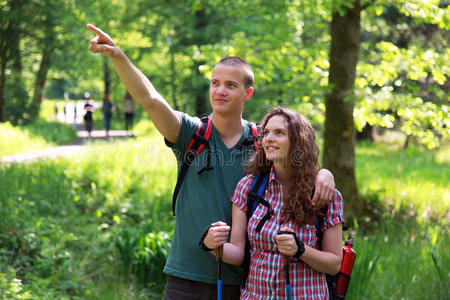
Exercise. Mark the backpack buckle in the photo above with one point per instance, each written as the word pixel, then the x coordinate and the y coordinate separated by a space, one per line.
pixel 189 156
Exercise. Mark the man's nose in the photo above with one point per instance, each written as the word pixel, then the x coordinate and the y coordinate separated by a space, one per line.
pixel 221 89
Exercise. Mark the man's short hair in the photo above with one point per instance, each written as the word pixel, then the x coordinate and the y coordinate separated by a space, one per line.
pixel 235 61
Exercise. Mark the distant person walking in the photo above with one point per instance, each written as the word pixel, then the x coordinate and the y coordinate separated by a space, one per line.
pixel 128 108
pixel 88 110
pixel 56 110
pixel 107 110
pixel 75 112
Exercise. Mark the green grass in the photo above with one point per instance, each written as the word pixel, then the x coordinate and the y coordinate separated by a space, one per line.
pixel 413 178
pixel 40 134
pixel 404 254
pixel 98 226
pixel 67 219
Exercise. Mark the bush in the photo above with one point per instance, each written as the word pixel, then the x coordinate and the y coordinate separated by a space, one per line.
pixel 36 135
pixel 143 254
pixel 11 287
pixel 18 108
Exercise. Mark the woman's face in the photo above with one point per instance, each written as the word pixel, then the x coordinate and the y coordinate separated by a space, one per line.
pixel 276 139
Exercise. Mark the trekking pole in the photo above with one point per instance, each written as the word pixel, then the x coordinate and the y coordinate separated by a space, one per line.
pixel 219 272
pixel 286 268
pixel 286 275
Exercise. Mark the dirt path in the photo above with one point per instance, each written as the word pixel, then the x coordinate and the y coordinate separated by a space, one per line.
pixel 77 147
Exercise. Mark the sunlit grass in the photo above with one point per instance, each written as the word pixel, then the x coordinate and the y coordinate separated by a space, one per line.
pixel 414 178
pixel 403 261
pixel 16 140
pixel 42 133
pixel 67 214
pixel 37 135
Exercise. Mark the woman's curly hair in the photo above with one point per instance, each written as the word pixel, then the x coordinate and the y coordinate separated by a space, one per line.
pixel 302 166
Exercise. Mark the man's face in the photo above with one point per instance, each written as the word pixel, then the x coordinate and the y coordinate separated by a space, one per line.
pixel 227 92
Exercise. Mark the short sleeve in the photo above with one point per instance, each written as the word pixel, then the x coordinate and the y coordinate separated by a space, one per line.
pixel 240 193
pixel 188 126
pixel 335 212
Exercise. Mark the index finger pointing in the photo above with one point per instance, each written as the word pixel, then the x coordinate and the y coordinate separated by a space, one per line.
pixel 96 30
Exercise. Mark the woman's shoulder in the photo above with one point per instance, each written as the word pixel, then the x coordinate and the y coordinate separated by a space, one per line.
pixel 240 193
pixel 246 180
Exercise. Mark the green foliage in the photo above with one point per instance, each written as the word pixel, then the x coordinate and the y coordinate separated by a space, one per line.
pixel 143 251
pixel 11 287
pixel 37 135
pixel 402 63
pixel 86 229
pixel 52 132
pixel 64 220
pixel 402 259
pixel 401 77
pixel 409 177
pixel 15 140
pixel 18 108
pixel 427 12
pixel 68 227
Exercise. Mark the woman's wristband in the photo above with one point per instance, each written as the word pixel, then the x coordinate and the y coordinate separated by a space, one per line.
pixel 300 247
pixel 300 244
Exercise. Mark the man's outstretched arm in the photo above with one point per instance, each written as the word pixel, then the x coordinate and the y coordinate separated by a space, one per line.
pixel 163 116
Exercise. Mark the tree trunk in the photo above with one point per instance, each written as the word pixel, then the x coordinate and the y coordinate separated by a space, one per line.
pixel 41 75
pixel 201 91
pixel 339 136
pixel 201 87
pixel 48 44
pixel 2 82
pixel 9 47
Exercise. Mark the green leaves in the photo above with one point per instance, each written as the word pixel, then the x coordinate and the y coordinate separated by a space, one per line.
pixel 429 11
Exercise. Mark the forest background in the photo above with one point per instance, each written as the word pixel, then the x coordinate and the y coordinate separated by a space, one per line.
pixel 372 76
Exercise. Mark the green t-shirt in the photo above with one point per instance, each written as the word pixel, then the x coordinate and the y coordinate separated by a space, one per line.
pixel 203 199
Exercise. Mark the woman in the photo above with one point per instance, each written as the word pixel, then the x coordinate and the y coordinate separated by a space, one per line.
pixel 290 153
pixel 128 109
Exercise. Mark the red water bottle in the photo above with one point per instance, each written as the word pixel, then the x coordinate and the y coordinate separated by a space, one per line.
pixel 343 277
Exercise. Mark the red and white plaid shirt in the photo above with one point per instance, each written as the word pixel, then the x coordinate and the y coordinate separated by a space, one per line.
pixel 266 278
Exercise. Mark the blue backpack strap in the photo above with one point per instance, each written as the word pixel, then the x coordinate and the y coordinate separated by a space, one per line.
pixel 198 142
pixel 254 196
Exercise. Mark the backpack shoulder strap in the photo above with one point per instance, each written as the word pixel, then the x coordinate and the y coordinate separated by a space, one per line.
pixel 318 226
pixel 198 142
pixel 256 192
pixel 253 139
pixel 255 133
pixel 257 189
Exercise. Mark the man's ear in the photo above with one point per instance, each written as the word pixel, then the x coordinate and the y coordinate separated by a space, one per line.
pixel 249 92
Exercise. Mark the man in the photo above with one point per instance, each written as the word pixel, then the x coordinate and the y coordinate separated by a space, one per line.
pixel 207 188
